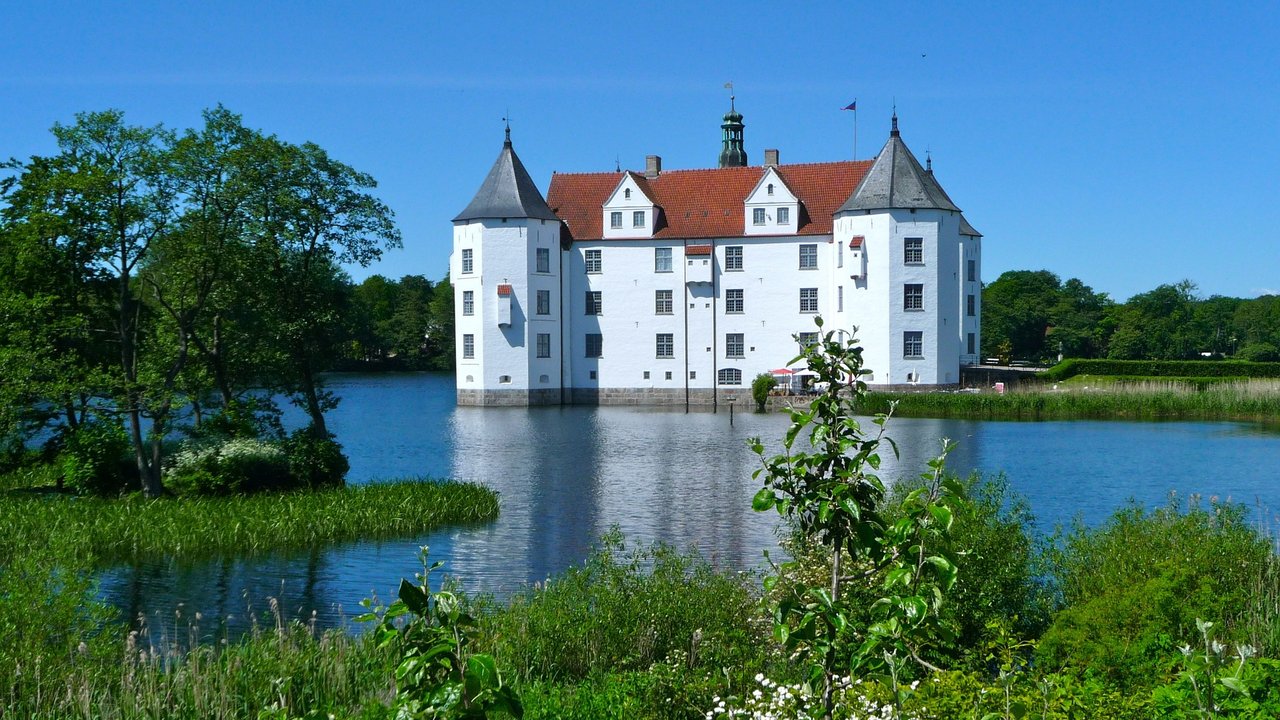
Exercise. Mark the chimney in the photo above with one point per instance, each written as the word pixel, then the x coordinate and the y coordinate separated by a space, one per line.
pixel 652 166
pixel 771 158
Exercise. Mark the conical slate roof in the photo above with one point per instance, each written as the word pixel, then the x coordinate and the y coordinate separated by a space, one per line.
pixel 507 192
pixel 967 229
pixel 896 181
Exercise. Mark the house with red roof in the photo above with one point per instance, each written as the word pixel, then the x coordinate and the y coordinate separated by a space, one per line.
pixel 678 287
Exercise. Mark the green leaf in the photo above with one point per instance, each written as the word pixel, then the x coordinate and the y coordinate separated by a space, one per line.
pixel 413 597
pixel 1234 684
pixel 942 514
pixel 764 500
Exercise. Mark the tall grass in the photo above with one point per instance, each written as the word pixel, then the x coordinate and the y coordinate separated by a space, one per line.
pixel 133 527
pixel 1257 400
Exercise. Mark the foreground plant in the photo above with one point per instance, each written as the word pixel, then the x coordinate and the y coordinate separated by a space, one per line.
pixel 831 494
pixel 438 675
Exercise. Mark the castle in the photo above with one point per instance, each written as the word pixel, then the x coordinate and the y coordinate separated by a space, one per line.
pixel 679 287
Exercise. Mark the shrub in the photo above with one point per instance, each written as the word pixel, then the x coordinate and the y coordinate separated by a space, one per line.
pixel 1258 352
pixel 233 467
pixel 1163 368
pixel 316 462
pixel 760 389
pixel 1133 589
pixel 95 458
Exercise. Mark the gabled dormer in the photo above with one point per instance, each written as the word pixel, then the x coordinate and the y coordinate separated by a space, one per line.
pixel 630 211
pixel 771 208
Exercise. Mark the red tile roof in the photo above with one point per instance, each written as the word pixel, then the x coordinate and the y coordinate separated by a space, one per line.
pixel 504 290
pixel 706 203
pixel 697 249
pixel 856 241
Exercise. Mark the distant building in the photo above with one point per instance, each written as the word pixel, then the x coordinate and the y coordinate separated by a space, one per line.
pixel 679 287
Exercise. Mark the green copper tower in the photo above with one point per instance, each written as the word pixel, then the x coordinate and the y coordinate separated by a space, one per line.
pixel 732 154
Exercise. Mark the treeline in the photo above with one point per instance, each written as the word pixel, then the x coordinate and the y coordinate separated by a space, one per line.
pixel 1034 315
pixel 148 275
pixel 404 324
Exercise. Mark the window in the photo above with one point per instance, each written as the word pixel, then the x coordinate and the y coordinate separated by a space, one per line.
pixel 840 298
pixel 730 376
pixel 757 216
pixel 839 254
pixel 468 346
pixel 808 257
pixel 646 374
pixel 808 300
pixel 668 374
pixel 666 346
pixel 544 345
pixel 971 273
pixel 468 302
pixel 770 188
pixel 637 218
pixel 662 259
pixel 595 302
pixel 807 338
pixel 970 305
pixel 626 194
pixel 971 343
pixel 544 260
pixel 593 261
pixel 592 374
pixel 733 257
pixel 468 263
pixel 913 344
pixel 784 216
pixel 693 374
pixel 661 302
pixel 595 345
pixel 733 301
pixel 504 379
pixel 615 219
pixel 734 346
pixel 913 296
pixel 544 302
pixel 913 251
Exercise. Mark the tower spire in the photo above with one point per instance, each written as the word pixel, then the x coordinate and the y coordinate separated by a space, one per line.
pixel 893 131
pixel 506 122
pixel 732 152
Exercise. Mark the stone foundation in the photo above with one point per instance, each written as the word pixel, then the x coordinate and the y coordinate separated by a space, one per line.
pixel 509 398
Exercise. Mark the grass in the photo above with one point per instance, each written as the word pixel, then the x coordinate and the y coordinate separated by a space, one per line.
pixel 1106 398
pixel 126 529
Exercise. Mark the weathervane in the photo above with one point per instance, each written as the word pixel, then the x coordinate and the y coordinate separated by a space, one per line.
pixel 729 86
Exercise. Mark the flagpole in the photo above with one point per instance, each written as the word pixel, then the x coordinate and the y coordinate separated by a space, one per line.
pixel 855 129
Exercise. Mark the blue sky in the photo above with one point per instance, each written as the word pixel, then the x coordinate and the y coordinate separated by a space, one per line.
pixel 1127 144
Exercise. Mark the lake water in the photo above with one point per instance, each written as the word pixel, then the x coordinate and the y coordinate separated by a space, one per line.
pixel 566 475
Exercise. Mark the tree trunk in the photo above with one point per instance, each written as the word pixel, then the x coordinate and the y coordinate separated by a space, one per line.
pixel 311 396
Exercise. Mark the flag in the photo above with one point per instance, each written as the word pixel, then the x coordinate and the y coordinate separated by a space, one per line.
pixel 851 106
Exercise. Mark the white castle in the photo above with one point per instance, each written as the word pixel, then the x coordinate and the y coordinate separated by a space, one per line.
pixel 679 287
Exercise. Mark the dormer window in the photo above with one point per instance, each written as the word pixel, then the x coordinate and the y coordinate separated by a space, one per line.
pixel 784 216
pixel 637 219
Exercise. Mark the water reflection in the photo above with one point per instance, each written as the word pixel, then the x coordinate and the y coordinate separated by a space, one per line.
pixel 566 475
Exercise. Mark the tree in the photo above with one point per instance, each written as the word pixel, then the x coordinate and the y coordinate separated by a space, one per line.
pixel 1156 325
pixel 1016 307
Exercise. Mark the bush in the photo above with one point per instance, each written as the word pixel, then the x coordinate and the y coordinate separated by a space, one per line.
pixel 231 467
pixel 1163 368
pixel 316 462
pixel 1258 352
pixel 95 458
pixel 760 389
pixel 1133 589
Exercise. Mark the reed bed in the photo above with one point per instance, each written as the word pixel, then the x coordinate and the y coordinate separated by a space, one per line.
pixel 127 529
pixel 1250 400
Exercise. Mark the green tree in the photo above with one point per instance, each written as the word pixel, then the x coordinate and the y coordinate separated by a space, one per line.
pixel 1017 308
pixel 1157 325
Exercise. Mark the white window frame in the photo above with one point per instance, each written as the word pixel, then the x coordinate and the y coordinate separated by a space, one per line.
pixel 665 346
pixel 809 300
pixel 784 216
pixel 734 300
pixel 663 302
pixel 807 339
pixel 662 260
pixel 468 302
pixel 839 298
pixel 913 297
pixel 544 345
pixel 615 220
pixel 637 219
pixel 913 340
pixel 594 301
pixel 733 258
pixel 543 302
pixel 808 256
pixel 913 251
pixel 468 346
pixel 735 345
pixel 594 260
pixel 468 261
pixel 729 376
pixel 543 260
pixel 757 216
